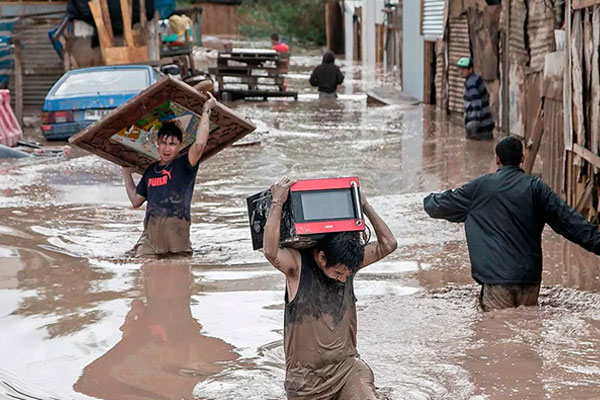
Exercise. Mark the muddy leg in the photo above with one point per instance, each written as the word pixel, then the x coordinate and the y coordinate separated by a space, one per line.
pixel 360 384
pixel 528 295
pixel 496 297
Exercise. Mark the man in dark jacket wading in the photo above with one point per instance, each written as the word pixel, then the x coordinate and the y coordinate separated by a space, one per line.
pixel 504 215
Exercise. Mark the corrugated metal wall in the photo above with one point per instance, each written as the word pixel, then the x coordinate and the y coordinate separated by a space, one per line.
pixel 41 64
pixel 458 46
pixel 433 19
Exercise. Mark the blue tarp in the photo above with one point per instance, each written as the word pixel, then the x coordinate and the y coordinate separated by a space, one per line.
pixel 7 60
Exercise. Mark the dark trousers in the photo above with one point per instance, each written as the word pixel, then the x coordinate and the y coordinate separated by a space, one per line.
pixel 496 297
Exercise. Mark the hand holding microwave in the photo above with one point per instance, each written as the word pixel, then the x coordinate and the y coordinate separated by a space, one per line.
pixel 311 209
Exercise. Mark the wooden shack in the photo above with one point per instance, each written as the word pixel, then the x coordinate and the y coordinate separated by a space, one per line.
pixel 219 16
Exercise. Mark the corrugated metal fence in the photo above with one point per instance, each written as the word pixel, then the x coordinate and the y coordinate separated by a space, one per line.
pixel 41 64
pixel 458 46
pixel 433 19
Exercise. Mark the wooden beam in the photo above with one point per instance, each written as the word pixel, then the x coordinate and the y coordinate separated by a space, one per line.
pixel 578 4
pixel 534 142
pixel 127 33
pixel 103 37
pixel 584 200
pixel 107 22
pixel 586 154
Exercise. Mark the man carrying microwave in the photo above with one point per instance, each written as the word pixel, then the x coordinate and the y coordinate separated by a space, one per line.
pixel 322 362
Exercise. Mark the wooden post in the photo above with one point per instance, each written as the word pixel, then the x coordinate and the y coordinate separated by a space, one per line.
pixel 568 109
pixel 152 39
pixel 143 18
pixel 18 81
pixel 534 142
pixel 506 73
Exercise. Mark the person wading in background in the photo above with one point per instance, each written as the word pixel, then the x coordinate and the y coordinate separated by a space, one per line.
pixel 504 215
pixel 167 186
pixel 479 122
pixel 327 76
pixel 278 46
pixel 321 359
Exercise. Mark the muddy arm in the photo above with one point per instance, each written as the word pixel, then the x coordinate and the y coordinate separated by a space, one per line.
pixel 285 260
pixel 136 199
pixel 196 150
pixel 386 242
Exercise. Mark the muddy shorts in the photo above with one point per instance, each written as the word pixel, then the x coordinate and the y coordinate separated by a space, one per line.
pixel 496 297
pixel 164 236
pixel 358 384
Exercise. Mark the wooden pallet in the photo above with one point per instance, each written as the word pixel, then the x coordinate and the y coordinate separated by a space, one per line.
pixel 233 94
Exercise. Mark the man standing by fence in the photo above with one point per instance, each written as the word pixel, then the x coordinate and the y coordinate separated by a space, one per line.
pixel 479 122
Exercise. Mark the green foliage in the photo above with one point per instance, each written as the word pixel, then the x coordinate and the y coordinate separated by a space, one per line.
pixel 301 20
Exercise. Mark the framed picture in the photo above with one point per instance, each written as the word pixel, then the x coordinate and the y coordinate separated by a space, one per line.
pixel 127 136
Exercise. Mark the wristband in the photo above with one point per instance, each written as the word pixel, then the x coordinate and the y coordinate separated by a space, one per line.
pixel 276 203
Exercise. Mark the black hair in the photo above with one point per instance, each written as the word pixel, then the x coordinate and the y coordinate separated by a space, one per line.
pixel 170 129
pixel 343 248
pixel 275 37
pixel 510 151
pixel 328 57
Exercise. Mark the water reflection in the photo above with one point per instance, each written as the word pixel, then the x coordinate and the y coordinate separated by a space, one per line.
pixel 162 353
pixel 502 359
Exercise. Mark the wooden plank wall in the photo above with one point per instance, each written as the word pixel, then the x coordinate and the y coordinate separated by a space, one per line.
pixel 219 19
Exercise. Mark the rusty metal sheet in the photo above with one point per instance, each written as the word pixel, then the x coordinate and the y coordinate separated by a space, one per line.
pixel 126 136
pixel 440 74
pixel 516 98
pixel 554 68
pixel 518 52
pixel 483 32
pixel 458 46
pixel 540 32
pixel 553 148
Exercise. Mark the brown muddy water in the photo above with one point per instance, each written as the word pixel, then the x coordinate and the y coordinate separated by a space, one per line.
pixel 80 320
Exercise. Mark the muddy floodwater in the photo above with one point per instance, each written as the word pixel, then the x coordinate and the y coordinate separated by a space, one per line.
pixel 80 320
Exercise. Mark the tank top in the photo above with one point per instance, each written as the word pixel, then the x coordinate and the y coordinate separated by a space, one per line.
pixel 319 333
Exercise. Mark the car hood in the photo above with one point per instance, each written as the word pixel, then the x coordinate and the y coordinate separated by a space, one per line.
pixel 86 102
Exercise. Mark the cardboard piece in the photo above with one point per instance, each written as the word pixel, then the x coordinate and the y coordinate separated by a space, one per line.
pixel 127 135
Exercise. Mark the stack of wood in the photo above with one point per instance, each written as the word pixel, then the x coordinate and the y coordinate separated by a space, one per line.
pixel 134 49
pixel 244 73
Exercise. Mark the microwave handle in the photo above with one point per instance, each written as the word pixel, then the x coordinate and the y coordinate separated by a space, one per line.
pixel 360 217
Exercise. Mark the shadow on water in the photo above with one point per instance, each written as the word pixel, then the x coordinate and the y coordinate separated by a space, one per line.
pixel 81 319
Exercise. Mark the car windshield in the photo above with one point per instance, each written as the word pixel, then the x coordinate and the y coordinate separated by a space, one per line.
pixel 103 81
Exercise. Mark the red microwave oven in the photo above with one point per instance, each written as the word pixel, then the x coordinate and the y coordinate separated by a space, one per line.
pixel 314 207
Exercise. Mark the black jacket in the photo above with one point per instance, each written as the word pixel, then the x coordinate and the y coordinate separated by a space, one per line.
pixel 327 77
pixel 504 215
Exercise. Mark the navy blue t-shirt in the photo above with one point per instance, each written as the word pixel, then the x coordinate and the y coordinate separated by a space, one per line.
pixel 168 189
